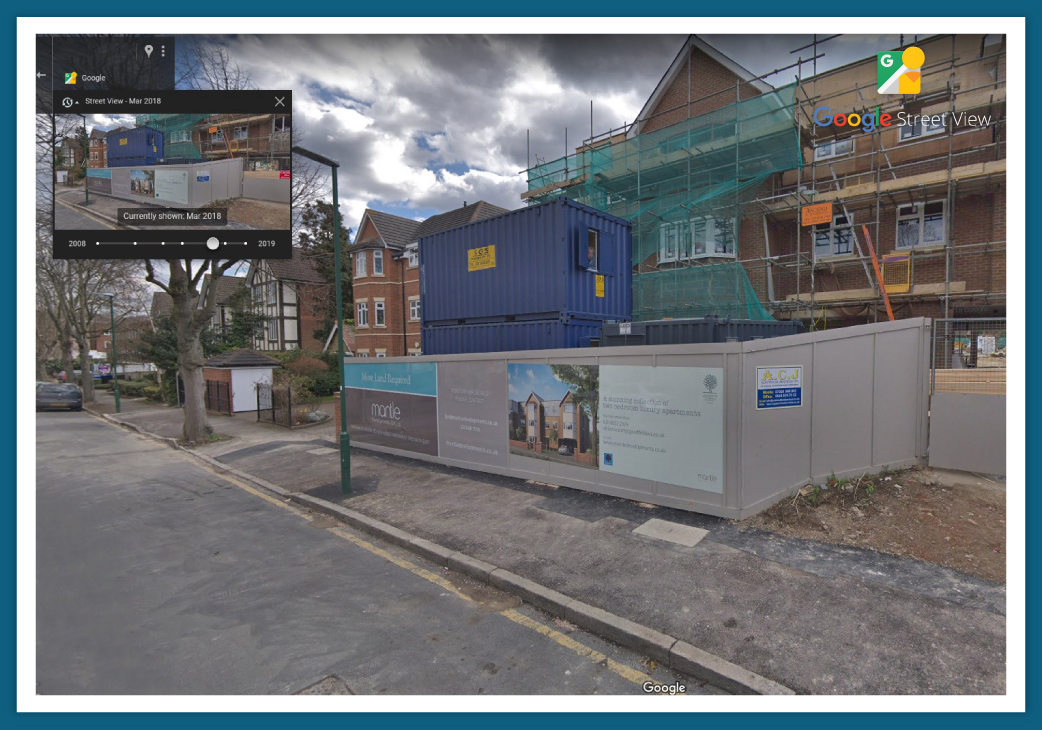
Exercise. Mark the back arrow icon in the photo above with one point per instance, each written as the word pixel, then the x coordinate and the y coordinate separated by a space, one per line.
pixel 40 75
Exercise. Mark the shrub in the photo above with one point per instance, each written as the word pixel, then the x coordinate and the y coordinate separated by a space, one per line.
pixel 132 388
pixel 323 384
pixel 153 393
pixel 307 365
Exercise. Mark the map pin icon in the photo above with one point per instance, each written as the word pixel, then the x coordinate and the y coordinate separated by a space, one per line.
pixel 148 51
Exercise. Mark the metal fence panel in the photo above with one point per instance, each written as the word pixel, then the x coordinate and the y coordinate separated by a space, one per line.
pixel 969 356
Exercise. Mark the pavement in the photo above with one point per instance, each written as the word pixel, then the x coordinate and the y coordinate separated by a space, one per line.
pixel 813 617
pixel 155 575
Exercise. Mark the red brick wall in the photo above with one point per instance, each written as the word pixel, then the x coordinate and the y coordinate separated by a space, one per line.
pixel 388 287
pixel 311 301
pixel 221 375
pixel 701 86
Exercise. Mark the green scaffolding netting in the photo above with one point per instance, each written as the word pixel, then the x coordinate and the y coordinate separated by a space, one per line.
pixel 178 145
pixel 685 187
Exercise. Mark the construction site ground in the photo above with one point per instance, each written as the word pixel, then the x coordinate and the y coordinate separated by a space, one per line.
pixel 954 519
pixel 260 214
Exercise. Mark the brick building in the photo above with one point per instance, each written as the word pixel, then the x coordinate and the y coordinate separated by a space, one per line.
pixel 386 280
pixel 718 168
pixel 292 294
pixel 97 148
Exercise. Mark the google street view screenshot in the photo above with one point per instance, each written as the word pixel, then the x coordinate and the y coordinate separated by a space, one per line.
pixel 424 360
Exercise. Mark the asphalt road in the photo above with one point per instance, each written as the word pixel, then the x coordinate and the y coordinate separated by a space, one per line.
pixel 157 576
pixel 67 218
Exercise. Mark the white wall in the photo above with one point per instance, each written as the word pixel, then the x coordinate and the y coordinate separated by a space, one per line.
pixel 244 391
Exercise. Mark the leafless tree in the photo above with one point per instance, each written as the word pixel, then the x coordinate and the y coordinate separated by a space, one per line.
pixel 190 316
pixel 69 291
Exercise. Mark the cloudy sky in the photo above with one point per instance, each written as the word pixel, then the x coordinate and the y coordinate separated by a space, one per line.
pixel 421 124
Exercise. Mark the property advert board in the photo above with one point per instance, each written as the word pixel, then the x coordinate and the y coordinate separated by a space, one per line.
pixel 779 387
pixel 172 186
pixel 393 405
pixel 663 423
pixel 470 411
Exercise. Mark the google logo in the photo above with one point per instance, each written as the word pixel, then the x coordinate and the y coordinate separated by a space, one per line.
pixel 823 117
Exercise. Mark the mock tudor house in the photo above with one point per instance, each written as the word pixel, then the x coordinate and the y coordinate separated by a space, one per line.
pixel 385 256
pixel 227 287
pixel 292 294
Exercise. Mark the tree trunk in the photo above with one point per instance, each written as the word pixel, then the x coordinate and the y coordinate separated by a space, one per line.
pixel 190 359
pixel 86 375
pixel 66 356
pixel 197 427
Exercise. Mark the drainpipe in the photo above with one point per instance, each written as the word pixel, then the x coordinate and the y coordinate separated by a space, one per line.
pixel 405 336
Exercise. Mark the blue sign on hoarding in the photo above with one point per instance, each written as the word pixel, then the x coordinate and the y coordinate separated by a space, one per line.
pixel 419 378
pixel 779 387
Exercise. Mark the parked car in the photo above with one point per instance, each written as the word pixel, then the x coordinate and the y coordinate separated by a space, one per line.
pixel 565 450
pixel 58 395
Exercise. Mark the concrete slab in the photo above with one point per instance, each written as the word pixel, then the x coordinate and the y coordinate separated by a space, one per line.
pixel 322 451
pixel 672 532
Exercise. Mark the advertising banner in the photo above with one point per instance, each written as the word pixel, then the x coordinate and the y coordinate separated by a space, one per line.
pixel 779 387
pixel 99 180
pixel 552 412
pixel 470 411
pixel 663 423
pixel 143 183
pixel 393 404
pixel 172 186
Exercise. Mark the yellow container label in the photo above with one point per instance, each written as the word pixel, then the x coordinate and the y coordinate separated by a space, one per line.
pixel 482 258
pixel 600 286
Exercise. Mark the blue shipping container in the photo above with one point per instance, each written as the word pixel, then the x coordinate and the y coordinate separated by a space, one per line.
pixel 556 260
pixel 506 336
pixel 130 147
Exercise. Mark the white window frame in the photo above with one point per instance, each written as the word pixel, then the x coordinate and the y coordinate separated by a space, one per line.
pixel 359 264
pixel 917 212
pixel 363 354
pixel 379 313
pixel 835 227
pixel 684 231
pixel 362 314
pixel 414 309
pixel 911 134
pixel 217 137
pixel 240 133
pixel 273 330
pixel 378 263
pixel 179 135
pixel 381 353
pixel 831 149
pixel 414 256
pixel 271 296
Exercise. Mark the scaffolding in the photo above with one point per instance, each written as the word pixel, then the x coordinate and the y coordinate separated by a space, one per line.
pixel 759 161
pixel 684 187
pixel 262 140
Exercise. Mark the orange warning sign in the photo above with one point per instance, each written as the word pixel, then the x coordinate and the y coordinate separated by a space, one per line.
pixel 815 214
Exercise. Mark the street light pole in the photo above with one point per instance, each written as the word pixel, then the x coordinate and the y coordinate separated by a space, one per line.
pixel 345 437
pixel 115 360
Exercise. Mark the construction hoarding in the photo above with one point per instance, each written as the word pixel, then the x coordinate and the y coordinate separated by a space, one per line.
pixel 676 425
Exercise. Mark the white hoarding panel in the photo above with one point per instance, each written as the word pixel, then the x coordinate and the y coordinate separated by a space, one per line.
pixel 172 185
pixel 663 423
